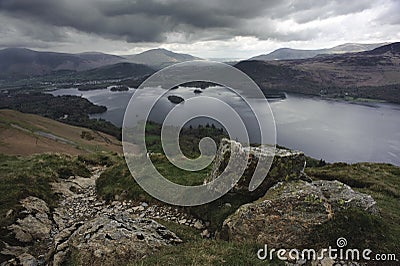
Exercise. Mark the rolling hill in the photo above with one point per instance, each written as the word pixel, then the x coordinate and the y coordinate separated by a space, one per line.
pixel 16 63
pixel 370 74
pixel 290 54
pixel 25 134
pixel 20 63
pixel 159 58
pixel 116 71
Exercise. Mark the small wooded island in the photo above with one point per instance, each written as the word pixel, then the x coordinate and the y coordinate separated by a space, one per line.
pixel 175 99
pixel 119 88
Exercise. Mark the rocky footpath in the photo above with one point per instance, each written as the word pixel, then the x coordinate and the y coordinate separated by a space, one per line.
pixel 110 240
pixel 102 232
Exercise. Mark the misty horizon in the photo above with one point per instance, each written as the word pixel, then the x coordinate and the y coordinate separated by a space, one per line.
pixel 200 57
pixel 206 29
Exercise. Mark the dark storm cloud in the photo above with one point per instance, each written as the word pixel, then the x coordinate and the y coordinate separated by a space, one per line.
pixel 136 21
pixel 84 16
pixel 158 20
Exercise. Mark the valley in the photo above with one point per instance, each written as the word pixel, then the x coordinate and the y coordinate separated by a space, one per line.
pixel 69 198
pixel 369 74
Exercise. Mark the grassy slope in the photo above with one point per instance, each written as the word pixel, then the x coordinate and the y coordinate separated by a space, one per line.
pixel 20 177
pixel 381 234
pixel 197 251
pixel 18 138
pixel 25 176
pixel 382 182
pixel 117 180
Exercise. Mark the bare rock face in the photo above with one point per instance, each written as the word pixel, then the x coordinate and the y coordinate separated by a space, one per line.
pixel 33 228
pixel 36 225
pixel 117 239
pixel 286 165
pixel 289 212
pixel 27 260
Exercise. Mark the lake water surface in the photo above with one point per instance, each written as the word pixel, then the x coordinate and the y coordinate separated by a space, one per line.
pixel 331 130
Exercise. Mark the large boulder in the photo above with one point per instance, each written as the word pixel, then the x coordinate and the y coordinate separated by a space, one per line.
pixel 280 165
pixel 286 165
pixel 290 212
pixel 112 240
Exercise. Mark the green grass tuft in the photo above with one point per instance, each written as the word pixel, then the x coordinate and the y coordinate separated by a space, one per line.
pixel 382 182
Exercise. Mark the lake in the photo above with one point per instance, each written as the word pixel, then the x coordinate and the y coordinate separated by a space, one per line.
pixel 332 130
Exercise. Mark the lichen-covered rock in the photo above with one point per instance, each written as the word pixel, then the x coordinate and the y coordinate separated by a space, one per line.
pixel 33 204
pixel 30 230
pixel 36 225
pixel 290 211
pixel 286 165
pixel 26 259
pixel 118 239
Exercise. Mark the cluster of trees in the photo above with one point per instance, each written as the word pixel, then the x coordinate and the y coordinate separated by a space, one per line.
pixel 71 110
pixel 189 138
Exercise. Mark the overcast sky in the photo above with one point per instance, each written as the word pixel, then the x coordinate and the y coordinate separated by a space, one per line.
pixel 204 28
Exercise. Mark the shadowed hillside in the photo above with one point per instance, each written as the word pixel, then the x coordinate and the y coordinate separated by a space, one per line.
pixel 22 63
pixel 373 74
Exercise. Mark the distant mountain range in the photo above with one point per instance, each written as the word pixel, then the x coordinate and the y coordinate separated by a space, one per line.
pixel 19 63
pixel 22 63
pixel 369 74
pixel 290 54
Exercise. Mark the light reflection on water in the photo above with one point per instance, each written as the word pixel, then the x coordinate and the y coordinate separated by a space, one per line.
pixel 332 130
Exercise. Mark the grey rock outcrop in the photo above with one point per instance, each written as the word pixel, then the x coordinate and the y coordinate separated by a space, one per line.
pixel 286 165
pixel 27 260
pixel 31 229
pixel 289 212
pixel 36 225
pixel 108 240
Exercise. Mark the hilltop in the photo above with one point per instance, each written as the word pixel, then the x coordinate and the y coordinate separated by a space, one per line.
pixel 160 58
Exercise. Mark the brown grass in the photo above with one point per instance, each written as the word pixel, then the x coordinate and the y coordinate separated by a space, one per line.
pixel 17 136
